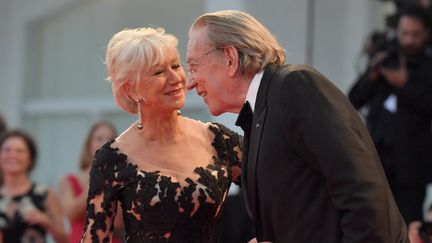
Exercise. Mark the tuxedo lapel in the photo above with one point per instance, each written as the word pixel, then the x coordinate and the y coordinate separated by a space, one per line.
pixel 254 143
pixel 244 120
pixel 255 138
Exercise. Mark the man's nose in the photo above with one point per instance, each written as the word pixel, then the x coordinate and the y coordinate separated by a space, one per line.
pixel 190 83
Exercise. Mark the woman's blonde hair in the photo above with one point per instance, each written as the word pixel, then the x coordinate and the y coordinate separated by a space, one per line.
pixel 86 157
pixel 256 46
pixel 132 52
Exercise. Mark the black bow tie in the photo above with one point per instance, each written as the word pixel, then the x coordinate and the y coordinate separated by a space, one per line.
pixel 245 118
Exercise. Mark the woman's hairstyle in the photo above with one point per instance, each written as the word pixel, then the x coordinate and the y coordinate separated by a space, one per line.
pixel 28 140
pixel 132 52
pixel 86 152
pixel 256 46
pixel 2 124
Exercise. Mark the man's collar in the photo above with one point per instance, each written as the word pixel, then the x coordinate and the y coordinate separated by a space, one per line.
pixel 253 89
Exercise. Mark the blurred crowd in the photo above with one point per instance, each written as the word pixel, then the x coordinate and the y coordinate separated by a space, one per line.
pixel 393 94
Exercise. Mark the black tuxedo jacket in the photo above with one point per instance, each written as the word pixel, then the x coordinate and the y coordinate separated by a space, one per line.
pixel 311 172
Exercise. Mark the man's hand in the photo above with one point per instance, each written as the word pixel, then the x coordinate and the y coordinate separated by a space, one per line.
pixel 254 240
pixel 396 77
pixel 413 232
pixel 374 63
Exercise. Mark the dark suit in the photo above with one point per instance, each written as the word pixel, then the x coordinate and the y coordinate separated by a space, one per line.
pixel 311 172
pixel 235 226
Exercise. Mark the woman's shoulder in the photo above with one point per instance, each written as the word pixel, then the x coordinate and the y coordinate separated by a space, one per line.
pixel 223 137
pixel 227 143
pixel 223 134
pixel 112 164
pixel 109 154
pixel 194 122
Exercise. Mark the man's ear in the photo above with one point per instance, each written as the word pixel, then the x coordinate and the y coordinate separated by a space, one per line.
pixel 232 60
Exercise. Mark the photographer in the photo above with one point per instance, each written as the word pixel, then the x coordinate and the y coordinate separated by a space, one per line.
pixel 397 91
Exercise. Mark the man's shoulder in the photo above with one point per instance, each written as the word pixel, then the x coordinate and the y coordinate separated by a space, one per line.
pixel 298 67
pixel 301 82
pixel 291 70
pixel 296 74
pixel 295 67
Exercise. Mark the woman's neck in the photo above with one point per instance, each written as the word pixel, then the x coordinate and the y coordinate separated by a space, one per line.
pixel 160 127
pixel 15 184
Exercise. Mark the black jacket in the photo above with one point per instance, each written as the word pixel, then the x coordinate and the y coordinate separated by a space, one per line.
pixel 312 173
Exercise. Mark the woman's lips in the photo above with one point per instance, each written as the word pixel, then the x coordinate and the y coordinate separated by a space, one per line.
pixel 176 92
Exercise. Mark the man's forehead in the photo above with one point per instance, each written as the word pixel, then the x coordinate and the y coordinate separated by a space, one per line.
pixel 410 21
pixel 198 36
pixel 197 44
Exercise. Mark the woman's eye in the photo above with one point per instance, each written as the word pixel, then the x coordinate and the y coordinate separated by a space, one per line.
pixel 158 72
pixel 175 66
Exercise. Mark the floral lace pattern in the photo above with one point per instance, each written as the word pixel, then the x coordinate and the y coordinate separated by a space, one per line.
pixel 157 208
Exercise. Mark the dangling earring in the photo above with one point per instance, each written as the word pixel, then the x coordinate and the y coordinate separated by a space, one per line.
pixel 139 125
pixel 178 112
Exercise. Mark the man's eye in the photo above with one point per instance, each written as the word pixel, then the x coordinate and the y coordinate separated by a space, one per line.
pixel 191 66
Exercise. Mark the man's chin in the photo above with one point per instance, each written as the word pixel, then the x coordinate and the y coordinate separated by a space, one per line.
pixel 213 111
pixel 411 51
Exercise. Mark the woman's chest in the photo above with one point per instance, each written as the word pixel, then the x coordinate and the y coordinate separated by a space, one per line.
pixel 201 191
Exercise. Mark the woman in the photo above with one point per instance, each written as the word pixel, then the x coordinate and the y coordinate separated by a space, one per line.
pixel 2 124
pixel 74 187
pixel 169 173
pixel 28 211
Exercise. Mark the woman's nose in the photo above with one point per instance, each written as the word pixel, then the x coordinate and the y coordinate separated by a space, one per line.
pixel 177 76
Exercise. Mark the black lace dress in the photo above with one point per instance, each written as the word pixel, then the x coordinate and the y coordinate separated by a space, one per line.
pixel 157 208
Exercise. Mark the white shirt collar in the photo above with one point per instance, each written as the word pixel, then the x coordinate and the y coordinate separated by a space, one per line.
pixel 253 89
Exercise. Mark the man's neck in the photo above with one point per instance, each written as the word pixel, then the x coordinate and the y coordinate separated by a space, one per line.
pixel 252 92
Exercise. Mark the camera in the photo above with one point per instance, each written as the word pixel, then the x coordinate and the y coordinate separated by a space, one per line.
pixel 391 61
pixel 381 44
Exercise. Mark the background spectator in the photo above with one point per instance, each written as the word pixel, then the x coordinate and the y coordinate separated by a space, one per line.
pixel 396 89
pixel 74 187
pixel 28 210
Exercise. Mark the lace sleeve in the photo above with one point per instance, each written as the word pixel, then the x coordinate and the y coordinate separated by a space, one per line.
pixel 102 199
pixel 229 146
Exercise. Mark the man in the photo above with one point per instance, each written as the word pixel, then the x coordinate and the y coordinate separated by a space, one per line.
pixel 397 89
pixel 310 171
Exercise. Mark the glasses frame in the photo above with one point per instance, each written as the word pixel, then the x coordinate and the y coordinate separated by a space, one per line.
pixel 195 62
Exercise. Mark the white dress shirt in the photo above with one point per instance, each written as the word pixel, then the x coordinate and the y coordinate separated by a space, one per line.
pixel 253 89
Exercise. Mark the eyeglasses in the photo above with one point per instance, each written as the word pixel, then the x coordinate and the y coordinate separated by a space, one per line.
pixel 194 62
